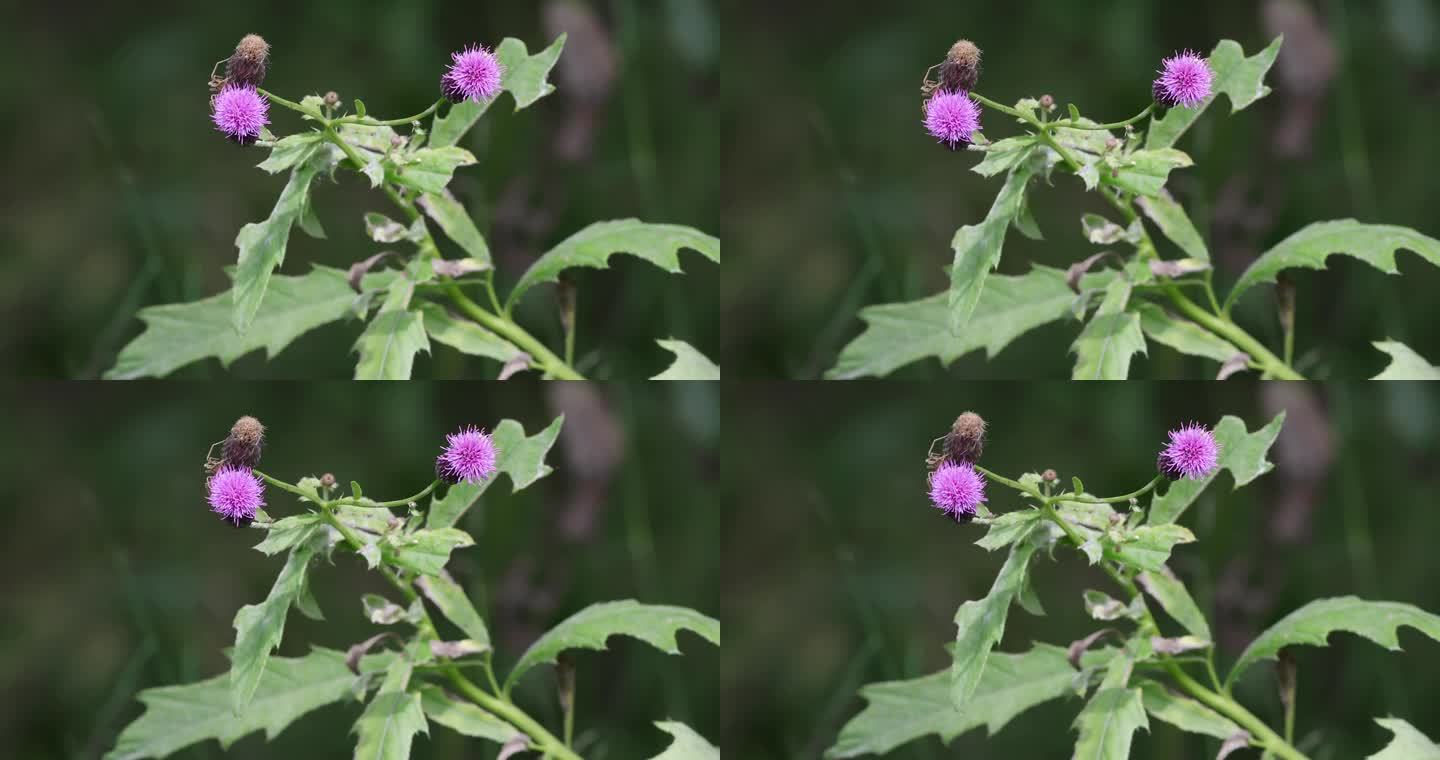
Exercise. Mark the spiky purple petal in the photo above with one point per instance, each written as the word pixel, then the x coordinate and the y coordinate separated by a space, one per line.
pixel 240 112
pixel 957 490
pixel 469 455
pixel 1185 80
pixel 235 494
pixel 1192 452
pixel 474 74
pixel 952 117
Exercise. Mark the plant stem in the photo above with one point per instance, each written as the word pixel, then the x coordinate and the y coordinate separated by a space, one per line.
pixel 504 709
pixel 1230 331
pixel 1233 710
pixel 1111 125
pixel 316 115
pixel 1113 499
pixel 369 122
pixel 395 503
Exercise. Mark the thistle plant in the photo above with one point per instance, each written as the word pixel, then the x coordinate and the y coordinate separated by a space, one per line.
pixel 1150 654
pixel 1139 288
pixel 413 672
pixel 406 297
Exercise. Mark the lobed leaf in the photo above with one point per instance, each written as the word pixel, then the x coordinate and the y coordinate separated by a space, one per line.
pixel 429 169
pixel 388 726
pixel 1009 528
pixel 1405 364
pixel 1239 78
pixel 454 603
pixel 1145 172
pixel 1374 244
pixel 980 623
pixel 1184 713
pixel 689 364
pixel 1148 546
pixel 687 744
pixel 1408 744
pixel 1242 453
pixel 656 625
pixel 287 532
pixel 262 244
pixel 1108 723
pixel 659 244
pixel 1312 624
pixel 1004 155
pixel 978 247
pixel 388 346
pixel 457 224
pixel 1172 220
pixel 259 627
pixel 464 717
pixel 427 551
pixel 522 458
pixel 466 336
pixel 289 151
pixel 1111 338
pixel 525 78
pixel 1165 588
pixel 1183 335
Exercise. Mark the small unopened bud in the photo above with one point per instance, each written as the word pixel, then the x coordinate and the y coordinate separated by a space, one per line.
pixel 332 98
pixel 242 447
pixel 1112 143
pixel 966 439
pixel 327 480
pixel 1047 102
pixel 961 69
pixel 1049 476
pixel 248 64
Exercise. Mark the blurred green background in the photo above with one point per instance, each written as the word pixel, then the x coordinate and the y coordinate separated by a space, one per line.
pixel 835 198
pixel 123 195
pixel 839 573
pixel 119 579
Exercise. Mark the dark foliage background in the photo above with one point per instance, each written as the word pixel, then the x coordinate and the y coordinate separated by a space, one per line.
pixel 117 578
pixel 839 573
pixel 121 194
pixel 835 198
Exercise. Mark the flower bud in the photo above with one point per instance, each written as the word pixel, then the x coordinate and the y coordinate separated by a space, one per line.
pixel 966 439
pixel 332 99
pixel 248 64
pixel 242 447
pixel 1049 476
pixel 327 480
pixel 1047 102
pixel 961 69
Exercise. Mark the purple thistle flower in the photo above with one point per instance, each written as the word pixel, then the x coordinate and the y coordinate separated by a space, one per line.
pixel 952 118
pixel 1184 80
pixel 240 112
pixel 1191 453
pixel 956 490
pixel 475 75
pixel 235 494
pixel 469 455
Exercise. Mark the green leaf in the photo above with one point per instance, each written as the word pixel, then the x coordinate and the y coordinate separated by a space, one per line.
pixel 1184 713
pixel 464 717
pixel 689 364
pixel 901 333
pixel 1172 595
pixel 687 745
pixel 1009 528
pixel 659 244
pixel 1106 345
pixel 1408 744
pixel 370 138
pixel 1172 220
pixel 388 346
pixel 466 336
pixel 360 108
pixel 1148 546
pixel 1312 624
pixel 288 532
pixel 262 244
pixel 1374 244
pixel 429 169
pixel 901 711
pixel 980 623
pixel 1243 454
pixel 1183 335
pixel 1005 155
pixel 1405 364
pixel 524 78
pixel 1239 78
pixel 259 627
pixel 522 458
pixel 179 334
pixel 179 716
pixel 292 150
pixel 978 247
pixel 455 604
pixel 427 551
pixel 388 726
pixel 457 224
pixel 1144 172
pixel 1107 725
pixel 653 624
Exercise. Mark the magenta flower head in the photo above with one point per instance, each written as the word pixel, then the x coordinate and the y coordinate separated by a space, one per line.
pixel 952 117
pixel 240 112
pixel 1184 80
pixel 957 490
pixel 469 455
pixel 235 494
pixel 1191 453
pixel 475 74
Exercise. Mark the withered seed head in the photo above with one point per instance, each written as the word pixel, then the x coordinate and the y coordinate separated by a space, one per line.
pixel 966 439
pixel 961 69
pixel 246 439
pixel 248 64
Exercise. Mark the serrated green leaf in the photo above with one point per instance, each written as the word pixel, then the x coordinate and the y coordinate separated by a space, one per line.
pixel 455 604
pixel 290 151
pixel 179 716
pixel 427 551
pixel 1145 172
pixel 429 169
pixel 1312 625
pixel 901 711
pixel 464 717
pixel 1004 155
pixel 1009 528
pixel 1374 244
pixel 262 244
pixel 978 246
pixel 525 78
pixel 901 333
pixel 1184 713
pixel 1242 453
pixel 1239 78
pixel 374 139
pixel 687 744
pixel 654 624
pixel 466 336
pixel 980 623
pixel 1165 588
pixel 388 346
pixel 659 244
pixel 1405 364
pixel 689 364
pixel 259 627
pixel 288 532
pixel 1172 220
pixel 1408 744
pixel 457 224
pixel 1108 723
pixel 1104 348
pixel 522 458
pixel 1183 335
pixel 1148 546
pixel 388 726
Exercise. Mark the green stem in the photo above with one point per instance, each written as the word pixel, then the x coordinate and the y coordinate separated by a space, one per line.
pixel 280 484
pixel 504 709
pixel 1111 125
pixel 1113 499
pixel 1236 712
pixel 276 99
pixel 395 503
pixel 369 122
pixel 551 363
pixel 1230 331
